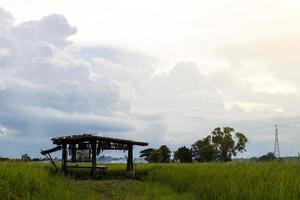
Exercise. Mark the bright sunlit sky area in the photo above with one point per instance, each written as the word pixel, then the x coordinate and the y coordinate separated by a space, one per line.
pixel 165 72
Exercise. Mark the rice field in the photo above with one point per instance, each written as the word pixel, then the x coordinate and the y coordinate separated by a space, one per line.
pixel 270 180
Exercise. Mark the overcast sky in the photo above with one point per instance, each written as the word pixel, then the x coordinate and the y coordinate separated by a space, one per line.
pixel 166 72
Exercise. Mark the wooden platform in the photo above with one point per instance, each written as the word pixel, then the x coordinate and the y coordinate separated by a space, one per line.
pixel 102 169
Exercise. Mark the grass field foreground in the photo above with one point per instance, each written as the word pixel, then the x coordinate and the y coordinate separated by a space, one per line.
pixel 274 180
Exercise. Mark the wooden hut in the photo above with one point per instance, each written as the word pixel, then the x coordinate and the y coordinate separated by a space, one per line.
pixel 86 147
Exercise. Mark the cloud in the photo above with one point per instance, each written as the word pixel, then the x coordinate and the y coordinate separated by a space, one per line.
pixel 262 71
pixel 53 29
pixel 47 88
pixel 186 101
pixel 6 20
pixel 270 48
pixel 50 86
pixel 183 88
pixel 275 55
pixel 3 130
pixel 121 65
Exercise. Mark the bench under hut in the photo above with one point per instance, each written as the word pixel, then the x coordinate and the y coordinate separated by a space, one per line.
pixel 86 147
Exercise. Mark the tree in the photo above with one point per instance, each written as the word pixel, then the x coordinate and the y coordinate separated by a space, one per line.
pixel 268 157
pixel 25 157
pixel 146 153
pixel 183 154
pixel 203 150
pixel 225 145
pixel 155 156
pixel 165 152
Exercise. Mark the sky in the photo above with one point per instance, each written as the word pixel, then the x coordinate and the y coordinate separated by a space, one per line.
pixel 165 72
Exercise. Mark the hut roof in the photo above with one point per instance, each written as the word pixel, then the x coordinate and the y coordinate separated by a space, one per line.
pixel 93 137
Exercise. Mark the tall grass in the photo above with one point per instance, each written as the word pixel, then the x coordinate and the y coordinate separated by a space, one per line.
pixel 156 181
pixel 231 180
pixel 20 180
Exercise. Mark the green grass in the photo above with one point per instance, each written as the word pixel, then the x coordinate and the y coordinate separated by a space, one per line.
pixel 231 180
pixel 20 180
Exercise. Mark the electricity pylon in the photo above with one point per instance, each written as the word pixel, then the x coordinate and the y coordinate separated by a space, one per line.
pixel 276 145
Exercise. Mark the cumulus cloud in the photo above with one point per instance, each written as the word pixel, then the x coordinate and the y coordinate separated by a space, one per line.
pixel 122 65
pixel 183 86
pixel 48 89
pixel 3 130
pixel 262 71
pixel 185 99
pixel 53 29
pixel 6 20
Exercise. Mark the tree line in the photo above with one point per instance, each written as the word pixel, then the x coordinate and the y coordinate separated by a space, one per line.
pixel 220 145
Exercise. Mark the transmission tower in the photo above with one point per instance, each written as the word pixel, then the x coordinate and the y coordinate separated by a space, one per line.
pixel 276 145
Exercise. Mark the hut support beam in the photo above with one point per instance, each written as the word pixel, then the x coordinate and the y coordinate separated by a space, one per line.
pixel 94 162
pixel 48 156
pixel 130 171
pixel 64 159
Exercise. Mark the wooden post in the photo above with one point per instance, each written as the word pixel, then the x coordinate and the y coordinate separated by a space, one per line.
pixel 64 159
pixel 74 153
pixel 130 172
pixel 93 172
